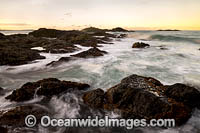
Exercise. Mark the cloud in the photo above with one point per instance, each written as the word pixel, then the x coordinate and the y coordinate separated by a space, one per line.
pixel 68 14
pixel 14 24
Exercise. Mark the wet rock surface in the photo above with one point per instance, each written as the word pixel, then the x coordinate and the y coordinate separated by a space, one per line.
pixel 3 130
pixel 140 45
pixel 185 94
pixel 144 97
pixel 94 98
pixel 92 52
pixel 46 87
pixel 59 62
pixel 16 49
pixel 15 117
pixel 135 97
pixel 2 91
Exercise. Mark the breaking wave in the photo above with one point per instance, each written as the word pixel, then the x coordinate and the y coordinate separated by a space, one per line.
pixel 173 38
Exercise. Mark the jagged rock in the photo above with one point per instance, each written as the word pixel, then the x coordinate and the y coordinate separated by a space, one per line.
pixel 16 117
pixel 94 98
pixel 140 45
pixel 143 98
pixel 92 52
pixel 46 87
pixel 182 93
pixel 59 62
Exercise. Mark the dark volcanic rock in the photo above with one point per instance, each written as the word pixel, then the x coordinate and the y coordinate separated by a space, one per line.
pixel 133 81
pixel 59 46
pixel 43 32
pixel 1 91
pixel 2 36
pixel 46 87
pixel 99 32
pixel 17 56
pixel 94 98
pixel 169 30
pixel 84 40
pixel 143 97
pixel 119 29
pixel 182 93
pixel 92 52
pixel 93 29
pixel 3 130
pixel 16 49
pixel 59 62
pixel 140 45
pixel 15 117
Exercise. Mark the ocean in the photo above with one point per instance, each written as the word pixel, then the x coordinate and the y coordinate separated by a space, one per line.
pixel 173 57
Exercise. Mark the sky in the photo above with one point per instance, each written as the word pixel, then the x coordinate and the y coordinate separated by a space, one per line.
pixel 79 14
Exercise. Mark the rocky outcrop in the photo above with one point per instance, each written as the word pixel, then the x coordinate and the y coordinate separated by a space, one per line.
pixel 14 55
pixel 50 33
pixel 140 45
pixel 46 87
pixel 119 29
pixel 147 98
pixel 15 117
pixel 92 30
pixel 2 36
pixel 185 94
pixel 92 52
pixel 17 49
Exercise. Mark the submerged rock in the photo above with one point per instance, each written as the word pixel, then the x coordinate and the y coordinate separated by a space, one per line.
pixel 143 97
pixel 140 45
pixel 92 52
pixel 59 62
pixel 16 117
pixel 46 87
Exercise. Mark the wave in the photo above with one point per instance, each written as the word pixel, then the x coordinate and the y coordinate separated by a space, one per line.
pixel 173 38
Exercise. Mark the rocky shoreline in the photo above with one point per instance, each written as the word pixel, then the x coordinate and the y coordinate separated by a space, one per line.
pixel 134 97
pixel 17 49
